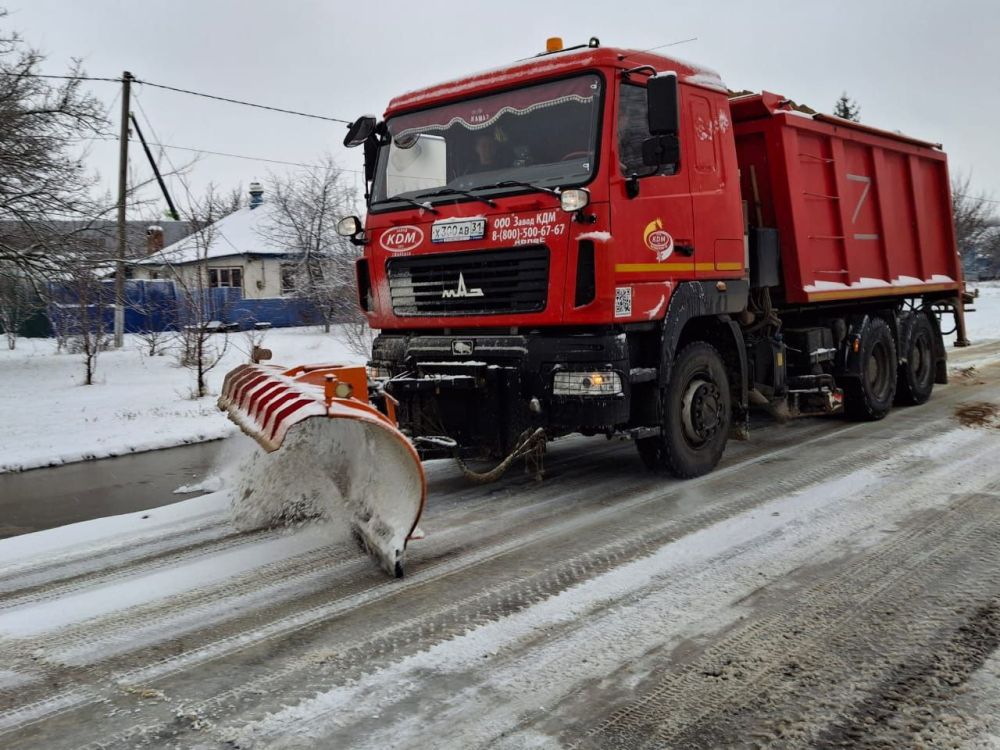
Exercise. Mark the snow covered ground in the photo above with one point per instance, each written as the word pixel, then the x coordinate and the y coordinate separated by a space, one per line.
pixel 137 403
pixel 984 323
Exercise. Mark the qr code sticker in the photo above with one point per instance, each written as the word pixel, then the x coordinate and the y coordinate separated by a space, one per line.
pixel 623 301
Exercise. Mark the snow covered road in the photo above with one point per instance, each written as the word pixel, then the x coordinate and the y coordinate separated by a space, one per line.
pixel 832 583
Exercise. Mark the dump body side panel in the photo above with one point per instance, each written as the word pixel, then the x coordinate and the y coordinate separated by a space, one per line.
pixel 860 213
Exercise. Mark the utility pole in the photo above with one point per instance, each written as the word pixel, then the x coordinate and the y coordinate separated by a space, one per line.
pixel 122 194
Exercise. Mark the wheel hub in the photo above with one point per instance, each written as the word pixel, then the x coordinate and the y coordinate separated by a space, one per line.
pixel 701 411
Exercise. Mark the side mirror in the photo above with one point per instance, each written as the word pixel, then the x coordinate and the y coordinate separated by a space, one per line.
pixel 660 150
pixel 349 226
pixel 359 131
pixel 663 111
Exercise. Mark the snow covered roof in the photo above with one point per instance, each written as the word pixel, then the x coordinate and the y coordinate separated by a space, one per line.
pixel 239 233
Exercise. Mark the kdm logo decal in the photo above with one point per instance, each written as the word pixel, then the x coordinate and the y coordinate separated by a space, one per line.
pixel 658 239
pixel 401 239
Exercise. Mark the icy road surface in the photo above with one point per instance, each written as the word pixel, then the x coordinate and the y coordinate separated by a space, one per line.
pixel 830 584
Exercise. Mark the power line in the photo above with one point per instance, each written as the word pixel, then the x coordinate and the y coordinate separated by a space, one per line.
pixel 192 93
pixel 69 78
pixel 977 198
pixel 209 152
pixel 243 103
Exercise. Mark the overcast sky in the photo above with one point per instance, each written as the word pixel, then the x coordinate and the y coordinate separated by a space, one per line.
pixel 926 68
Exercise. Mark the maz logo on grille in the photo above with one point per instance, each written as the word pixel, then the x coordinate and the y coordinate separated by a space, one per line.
pixel 462 290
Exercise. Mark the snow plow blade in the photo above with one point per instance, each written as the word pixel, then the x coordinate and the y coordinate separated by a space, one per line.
pixel 325 412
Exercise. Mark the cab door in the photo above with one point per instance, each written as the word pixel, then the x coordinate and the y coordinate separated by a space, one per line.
pixel 653 227
pixel 718 235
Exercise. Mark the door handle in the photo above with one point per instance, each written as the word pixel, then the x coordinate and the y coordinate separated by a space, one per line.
pixel 686 250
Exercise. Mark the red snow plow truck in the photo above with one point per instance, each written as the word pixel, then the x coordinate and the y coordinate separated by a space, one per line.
pixel 609 242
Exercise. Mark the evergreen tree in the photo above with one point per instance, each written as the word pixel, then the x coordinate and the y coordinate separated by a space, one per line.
pixel 847 108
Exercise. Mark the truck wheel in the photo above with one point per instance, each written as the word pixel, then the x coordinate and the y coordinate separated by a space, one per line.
pixel 869 397
pixel 915 379
pixel 696 415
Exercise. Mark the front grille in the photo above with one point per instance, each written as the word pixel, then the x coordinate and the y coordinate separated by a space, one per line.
pixel 484 282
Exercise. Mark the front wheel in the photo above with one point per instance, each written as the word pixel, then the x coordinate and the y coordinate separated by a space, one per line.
pixel 696 414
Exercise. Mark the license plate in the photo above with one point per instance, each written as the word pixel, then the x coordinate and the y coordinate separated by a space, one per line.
pixel 457 231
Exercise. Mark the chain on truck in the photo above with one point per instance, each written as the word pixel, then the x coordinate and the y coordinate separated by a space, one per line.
pixel 609 242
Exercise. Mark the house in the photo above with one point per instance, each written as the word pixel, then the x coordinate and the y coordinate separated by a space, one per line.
pixel 246 277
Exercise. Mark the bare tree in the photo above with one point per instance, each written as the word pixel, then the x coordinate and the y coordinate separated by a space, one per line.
pixel 303 214
pixel 157 331
pixel 973 213
pixel 78 303
pixel 990 251
pixel 357 336
pixel 42 174
pixel 203 342
pixel 19 300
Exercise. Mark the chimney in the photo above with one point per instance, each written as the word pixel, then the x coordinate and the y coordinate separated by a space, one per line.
pixel 256 194
pixel 154 239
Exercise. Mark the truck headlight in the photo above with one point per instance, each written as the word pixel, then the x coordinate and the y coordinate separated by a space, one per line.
pixel 603 383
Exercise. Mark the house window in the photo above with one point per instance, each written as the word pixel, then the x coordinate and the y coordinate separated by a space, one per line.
pixel 288 271
pixel 225 277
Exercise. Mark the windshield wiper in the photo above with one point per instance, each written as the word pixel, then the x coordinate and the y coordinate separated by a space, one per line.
pixel 418 204
pixel 519 183
pixel 456 191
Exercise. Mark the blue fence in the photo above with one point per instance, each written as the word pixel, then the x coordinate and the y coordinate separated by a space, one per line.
pixel 157 305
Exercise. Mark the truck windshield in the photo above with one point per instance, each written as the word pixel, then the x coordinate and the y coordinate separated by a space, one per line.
pixel 544 134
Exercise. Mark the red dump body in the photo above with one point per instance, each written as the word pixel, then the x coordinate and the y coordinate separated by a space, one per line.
pixel 860 212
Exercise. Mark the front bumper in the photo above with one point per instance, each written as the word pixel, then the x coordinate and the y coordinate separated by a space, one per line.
pixel 484 391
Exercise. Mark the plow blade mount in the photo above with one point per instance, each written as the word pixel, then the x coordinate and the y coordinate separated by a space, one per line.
pixel 324 415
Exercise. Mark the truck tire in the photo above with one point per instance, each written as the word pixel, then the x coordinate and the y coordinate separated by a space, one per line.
pixel 915 379
pixel 697 410
pixel 869 397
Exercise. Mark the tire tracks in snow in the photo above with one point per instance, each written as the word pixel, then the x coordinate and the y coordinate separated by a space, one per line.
pixel 471 611
pixel 777 658
pixel 86 693
pixel 383 699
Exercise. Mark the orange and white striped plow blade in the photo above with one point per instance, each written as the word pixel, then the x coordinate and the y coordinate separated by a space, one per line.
pixel 324 411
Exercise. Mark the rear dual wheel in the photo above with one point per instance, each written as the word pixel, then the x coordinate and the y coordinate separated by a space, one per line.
pixel 869 397
pixel 915 379
pixel 696 414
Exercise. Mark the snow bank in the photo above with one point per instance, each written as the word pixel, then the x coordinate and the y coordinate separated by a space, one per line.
pixel 138 403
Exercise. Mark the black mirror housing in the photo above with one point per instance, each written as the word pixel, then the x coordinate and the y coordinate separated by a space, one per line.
pixel 360 131
pixel 661 150
pixel 662 104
